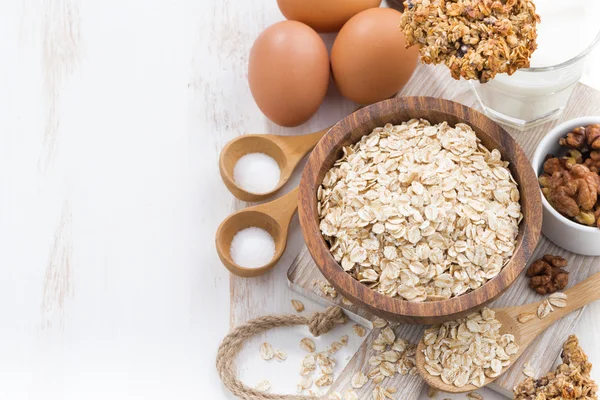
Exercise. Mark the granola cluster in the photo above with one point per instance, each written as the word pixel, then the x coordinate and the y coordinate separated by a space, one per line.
pixel 570 380
pixel 476 39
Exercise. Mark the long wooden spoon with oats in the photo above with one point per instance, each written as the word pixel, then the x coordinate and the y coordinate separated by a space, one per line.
pixel 455 357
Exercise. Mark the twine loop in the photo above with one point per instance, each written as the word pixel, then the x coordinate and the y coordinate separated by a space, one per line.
pixel 318 324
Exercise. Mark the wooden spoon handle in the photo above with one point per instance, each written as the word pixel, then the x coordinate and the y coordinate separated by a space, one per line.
pixel 282 209
pixel 296 147
pixel 583 293
pixel 578 296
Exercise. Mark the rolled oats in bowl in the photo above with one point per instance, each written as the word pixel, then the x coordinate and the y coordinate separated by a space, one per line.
pixel 419 211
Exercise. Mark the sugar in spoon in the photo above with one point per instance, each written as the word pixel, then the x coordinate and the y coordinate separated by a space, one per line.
pixel 274 217
pixel 286 150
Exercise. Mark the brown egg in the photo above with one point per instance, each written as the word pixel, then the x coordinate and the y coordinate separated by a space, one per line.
pixel 369 59
pixel 288 72
pixel 324 15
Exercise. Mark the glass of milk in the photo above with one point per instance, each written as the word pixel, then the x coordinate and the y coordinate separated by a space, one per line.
pixel 531 96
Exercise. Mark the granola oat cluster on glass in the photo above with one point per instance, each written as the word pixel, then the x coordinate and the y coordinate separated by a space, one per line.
pixel 570 380
pixel 476 39
pixel 419 211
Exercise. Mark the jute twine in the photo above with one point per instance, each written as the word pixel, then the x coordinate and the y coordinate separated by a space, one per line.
pixel 318 324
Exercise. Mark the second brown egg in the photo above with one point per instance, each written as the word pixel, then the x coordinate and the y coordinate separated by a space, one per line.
pixel 324 15
pixel 369 58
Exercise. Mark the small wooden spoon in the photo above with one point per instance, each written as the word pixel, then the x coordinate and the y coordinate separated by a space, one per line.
pixel 286 150
pixel 274 217
pixel 524 333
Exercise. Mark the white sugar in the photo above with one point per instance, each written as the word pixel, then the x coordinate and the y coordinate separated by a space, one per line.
pixel 252 248
pixel 256 173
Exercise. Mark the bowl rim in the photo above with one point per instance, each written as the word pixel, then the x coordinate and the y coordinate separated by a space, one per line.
pixel 416 311
pixel 541 151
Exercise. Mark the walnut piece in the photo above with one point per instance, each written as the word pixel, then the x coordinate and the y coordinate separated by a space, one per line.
pixel 571 190
pixel 571 184
pixel 555 261
pixel 476 39
pixel 547 274
pixel 593 163
pixel 570 380
pixel 582 137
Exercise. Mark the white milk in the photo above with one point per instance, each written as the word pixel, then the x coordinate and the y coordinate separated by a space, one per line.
pixel 566 30
pixel 530 97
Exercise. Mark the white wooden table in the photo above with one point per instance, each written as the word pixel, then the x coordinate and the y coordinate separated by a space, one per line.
pixel 112 115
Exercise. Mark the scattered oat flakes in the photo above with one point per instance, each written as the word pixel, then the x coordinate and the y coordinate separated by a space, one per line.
pixel 395 356
pixel 325 359
pixel 544 309
pixel 350 394
pixel 359 330
pixel 266 351
pixel 528 370
pixel 461 353
pixel 334 347
pixel 327 369
pixel 381 393
pixel 309 364
pixel 280 355
pixel 420 212
pixel 304 384
pixel 388 335
pixel 359 380
pixel 474 396
pixel 263 386
pixel 524 317
pixel 391 356
pixel 344 340
pixel 558 299
pixel 387 368
pixel 347 302
pixel 298 305
pixel 327 289
pixel 379 323
pixel 334 396
pixel 307 345
pixel 324 380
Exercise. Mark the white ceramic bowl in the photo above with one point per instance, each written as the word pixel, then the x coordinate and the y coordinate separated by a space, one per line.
pixel 567 234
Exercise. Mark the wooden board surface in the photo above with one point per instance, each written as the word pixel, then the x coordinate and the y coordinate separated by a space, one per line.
pixel 429 81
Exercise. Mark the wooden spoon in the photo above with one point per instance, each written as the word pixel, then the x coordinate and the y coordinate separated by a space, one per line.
pixel 274 217
pixel 524 333
pixel 286 150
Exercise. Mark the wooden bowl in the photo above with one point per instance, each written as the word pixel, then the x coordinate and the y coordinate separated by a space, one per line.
pixel 395 111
